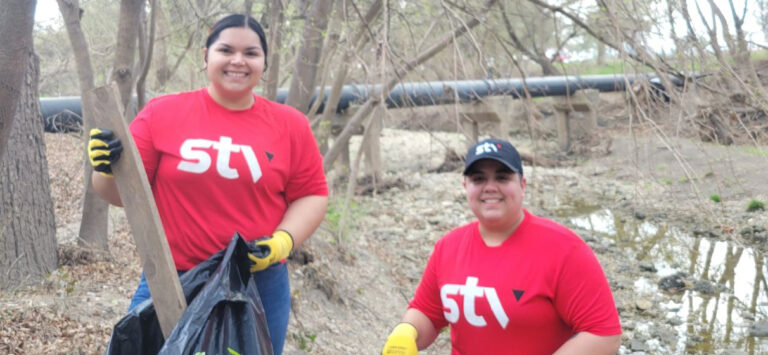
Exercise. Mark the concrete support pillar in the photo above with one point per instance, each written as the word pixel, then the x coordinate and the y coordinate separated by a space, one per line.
pixel 492 112
pixel 576 117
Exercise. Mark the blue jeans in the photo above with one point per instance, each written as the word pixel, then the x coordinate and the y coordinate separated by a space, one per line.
pixel 275 291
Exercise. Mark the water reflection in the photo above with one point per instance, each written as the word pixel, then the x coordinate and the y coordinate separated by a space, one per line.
pixel 729 294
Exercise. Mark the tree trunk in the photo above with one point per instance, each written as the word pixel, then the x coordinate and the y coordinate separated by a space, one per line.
pixel 356 43
pixel 273 62
pixel 305 71
pixel 600 53
pixel 127 38
pixel 248 7
pixel 163 71
pixel 16 20
pixel 329 48
pixel 160 60
pixel 148 45
pixel 94 222
pixel 27 226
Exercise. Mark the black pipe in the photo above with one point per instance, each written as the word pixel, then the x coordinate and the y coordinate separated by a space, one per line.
pixel 64 113
pixel 61 114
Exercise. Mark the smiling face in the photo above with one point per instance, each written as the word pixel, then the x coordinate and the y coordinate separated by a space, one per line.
pixel 495 195
pixel 235 63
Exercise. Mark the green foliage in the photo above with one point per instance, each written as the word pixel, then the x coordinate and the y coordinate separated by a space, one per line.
pixel 63 280
pixel 335 219
pixel 715 198
pixel 306 341
pixel 755 205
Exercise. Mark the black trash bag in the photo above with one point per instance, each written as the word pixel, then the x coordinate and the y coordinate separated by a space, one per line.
pixel 224 316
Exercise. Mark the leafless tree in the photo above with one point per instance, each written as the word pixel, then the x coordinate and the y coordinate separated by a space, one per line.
pixel 394 78
pixel 93 225
pixel 534 49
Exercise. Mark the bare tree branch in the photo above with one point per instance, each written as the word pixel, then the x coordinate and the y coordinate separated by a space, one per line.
pixel 375 99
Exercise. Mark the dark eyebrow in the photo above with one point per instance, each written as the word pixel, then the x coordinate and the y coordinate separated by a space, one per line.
pixel 248 48
pixel 473 172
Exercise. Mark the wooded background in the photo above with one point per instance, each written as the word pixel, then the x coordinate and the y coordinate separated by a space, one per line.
pixel 151 47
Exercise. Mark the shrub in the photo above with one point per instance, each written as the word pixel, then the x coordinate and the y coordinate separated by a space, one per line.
pixel 755 205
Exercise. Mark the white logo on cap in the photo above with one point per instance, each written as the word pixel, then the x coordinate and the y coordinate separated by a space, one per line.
pixel 485 148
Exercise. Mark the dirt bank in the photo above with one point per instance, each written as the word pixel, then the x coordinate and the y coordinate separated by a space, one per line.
pixel 645 208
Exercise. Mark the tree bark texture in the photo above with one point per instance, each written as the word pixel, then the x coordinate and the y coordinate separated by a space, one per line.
pixel 94 222
pixel 27 226
pixel 146 57
pixel 160 59
pixel 16 21
pixel 273 41
pixel 305 71
pixel 127 38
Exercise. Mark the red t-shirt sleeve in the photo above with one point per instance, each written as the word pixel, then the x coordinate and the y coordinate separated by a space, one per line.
pixel 307 176
pixel 583 297
pixel 427 296
pixel 142 137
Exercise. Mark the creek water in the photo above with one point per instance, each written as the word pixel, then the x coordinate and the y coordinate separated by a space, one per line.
pixel 725 292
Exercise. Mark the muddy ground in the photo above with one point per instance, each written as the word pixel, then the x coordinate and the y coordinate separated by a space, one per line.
pixel 643 202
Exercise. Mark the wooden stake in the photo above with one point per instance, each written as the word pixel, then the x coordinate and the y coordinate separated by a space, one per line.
pixel 159 268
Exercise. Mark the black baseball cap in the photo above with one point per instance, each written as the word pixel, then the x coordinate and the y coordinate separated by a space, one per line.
pixel 496 149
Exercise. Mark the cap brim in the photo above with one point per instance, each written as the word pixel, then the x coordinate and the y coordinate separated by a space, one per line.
pixel 473 161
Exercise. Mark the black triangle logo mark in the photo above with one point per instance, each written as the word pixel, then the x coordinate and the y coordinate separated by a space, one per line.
pixel 269 155
pixel 518 294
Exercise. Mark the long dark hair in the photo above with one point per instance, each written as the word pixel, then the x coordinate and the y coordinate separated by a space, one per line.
pixel 237 20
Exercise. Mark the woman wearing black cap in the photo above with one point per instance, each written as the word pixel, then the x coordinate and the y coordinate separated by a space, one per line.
pixel 509 282
pixel 222 160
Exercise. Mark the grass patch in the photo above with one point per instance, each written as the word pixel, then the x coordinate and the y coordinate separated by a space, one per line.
pixel 609 67
pixel 755 151
pixel 755 205
pixel 336 221
pixel 758 55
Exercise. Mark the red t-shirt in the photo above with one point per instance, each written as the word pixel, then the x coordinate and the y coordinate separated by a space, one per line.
pixel 526 296
pixel 216 171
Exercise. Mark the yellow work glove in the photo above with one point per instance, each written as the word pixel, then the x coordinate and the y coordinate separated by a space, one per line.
pixel 103 150
pixel 270 250
pixel 402 341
